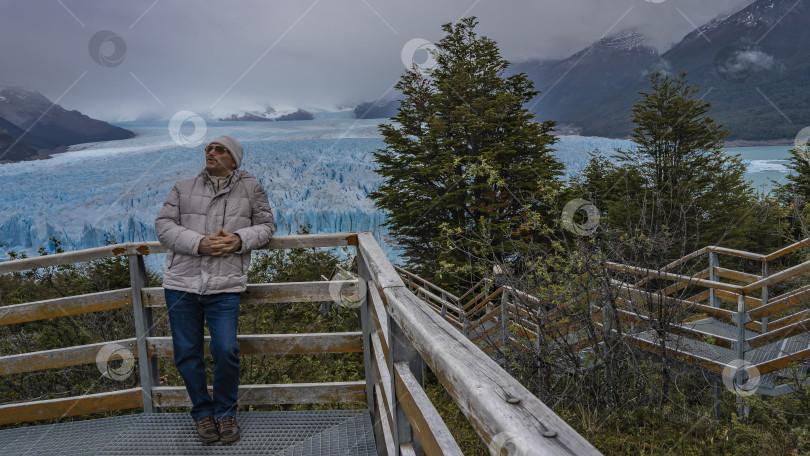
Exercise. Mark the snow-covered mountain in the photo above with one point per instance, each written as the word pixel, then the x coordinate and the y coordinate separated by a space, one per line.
pixel 752 66
pixel 572 86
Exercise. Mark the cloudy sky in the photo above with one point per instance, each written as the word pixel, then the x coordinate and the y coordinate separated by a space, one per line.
pixel 156 57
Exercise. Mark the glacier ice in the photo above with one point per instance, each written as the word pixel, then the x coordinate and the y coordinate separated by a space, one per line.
pixel 316 173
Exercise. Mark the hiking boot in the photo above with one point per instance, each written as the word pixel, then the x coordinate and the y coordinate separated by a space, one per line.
pixel 229 430
pixel 207 429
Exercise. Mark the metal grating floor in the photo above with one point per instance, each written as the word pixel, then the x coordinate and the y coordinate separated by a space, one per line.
pixel 298 433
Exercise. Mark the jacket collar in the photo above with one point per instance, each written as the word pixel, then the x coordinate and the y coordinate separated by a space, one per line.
pixel 234 177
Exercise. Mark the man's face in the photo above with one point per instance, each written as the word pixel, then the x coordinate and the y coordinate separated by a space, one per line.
pixel 218 161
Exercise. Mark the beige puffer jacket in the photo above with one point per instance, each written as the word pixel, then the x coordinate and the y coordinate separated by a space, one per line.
pixel 191 213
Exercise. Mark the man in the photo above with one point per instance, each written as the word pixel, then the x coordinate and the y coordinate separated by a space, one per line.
pixel 209 224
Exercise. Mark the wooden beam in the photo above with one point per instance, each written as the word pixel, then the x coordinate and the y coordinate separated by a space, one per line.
pixel 379 314
pixel 681 330
pixel 739 253
pixel 384 421
pixel 294 393
pixel 78 256
pixel 690 358
pixel 427 283
pixel 481 336
pixel 492 314
pixel 472 288
pixel 62 307
pixel 298 291
pixel 147 248
pixel 782 303
pixel 687 257
pixel 430 429
pixel 307 241
pixel 282 292
pixel 790 319
pixel 70 406
pixel 716 312
pixel 486 300
pixel 784 332
pixel 736 275
pixel 778 277
pixel 274 344
pixel 473 301
pixel 61 357
pixel 657 274
pixel 381 361
pixel 750 301
pixel 382 271
pixel 788 249
pixel 782 362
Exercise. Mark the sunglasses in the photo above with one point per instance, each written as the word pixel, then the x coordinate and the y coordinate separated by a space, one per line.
pixel 216 148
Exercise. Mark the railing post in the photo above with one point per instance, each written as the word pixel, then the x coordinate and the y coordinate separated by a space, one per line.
pixel 713 263
pixel 742 410
pixel 505 322
pixel 144 327
pixel 764 296
pixel 402 350
pixel 444 306
pixel 365 322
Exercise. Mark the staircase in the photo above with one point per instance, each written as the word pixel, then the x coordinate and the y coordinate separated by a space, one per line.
pixel 730 322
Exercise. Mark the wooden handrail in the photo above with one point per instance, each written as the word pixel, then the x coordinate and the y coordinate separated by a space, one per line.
pixel 154 247
pixel 491 399
pixel 780 276
pixel 427 283
pixel 472 288
pixel 655 273
pixel 788 249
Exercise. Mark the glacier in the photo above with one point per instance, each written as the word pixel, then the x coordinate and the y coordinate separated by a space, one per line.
pixel 316 173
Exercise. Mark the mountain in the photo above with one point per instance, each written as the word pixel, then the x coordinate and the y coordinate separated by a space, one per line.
pixel 245 117
pixel 376 109
pixel 573 86
pixel 752 66
pixel 38 127
pixel 300 114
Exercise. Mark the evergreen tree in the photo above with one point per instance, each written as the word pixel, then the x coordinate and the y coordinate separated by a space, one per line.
pixel 461 152
pixel 797 188
pixel 678 188
pixel 793 196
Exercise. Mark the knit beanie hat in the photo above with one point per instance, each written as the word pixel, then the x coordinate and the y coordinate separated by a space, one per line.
pixel 233 147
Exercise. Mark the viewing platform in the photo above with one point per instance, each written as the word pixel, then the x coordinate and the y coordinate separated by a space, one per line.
pixel 399 338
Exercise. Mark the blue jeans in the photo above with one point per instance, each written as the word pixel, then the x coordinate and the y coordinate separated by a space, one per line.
pixel 187 312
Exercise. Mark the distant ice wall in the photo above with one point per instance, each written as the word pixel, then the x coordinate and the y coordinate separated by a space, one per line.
pixel 316 173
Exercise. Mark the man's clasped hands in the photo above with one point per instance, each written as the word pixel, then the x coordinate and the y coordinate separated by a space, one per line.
pixel 220 244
